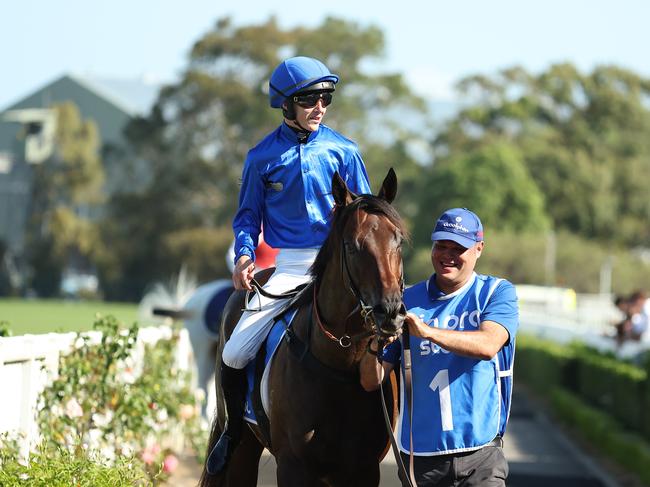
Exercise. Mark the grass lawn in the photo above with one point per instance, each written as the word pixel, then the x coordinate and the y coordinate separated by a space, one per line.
pixel 45 315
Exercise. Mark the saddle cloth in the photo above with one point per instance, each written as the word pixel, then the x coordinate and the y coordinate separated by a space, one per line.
pixel 256 368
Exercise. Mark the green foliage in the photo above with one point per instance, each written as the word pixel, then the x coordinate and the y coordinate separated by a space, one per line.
pixel 521 257
pixel 118 400
pixel 616 387
pixel 516 256
pixel 582 138
pixel 605 434
pixel 58 467
pixel 542 363
pixel 197 248
pixel 5 330
pixel 613 386
pixel 493 181
pixel 66 186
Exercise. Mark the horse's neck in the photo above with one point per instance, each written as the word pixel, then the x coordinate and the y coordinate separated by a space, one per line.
pixel 335 303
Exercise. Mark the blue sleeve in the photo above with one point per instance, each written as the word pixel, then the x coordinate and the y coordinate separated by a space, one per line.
pixel 392 353
pixel 248 220
pixel 502 308
pixel 356 177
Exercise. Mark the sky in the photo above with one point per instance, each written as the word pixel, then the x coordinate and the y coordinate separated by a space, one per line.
pixel 433 43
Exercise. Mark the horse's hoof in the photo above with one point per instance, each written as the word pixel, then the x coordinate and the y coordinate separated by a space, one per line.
pixel 220 454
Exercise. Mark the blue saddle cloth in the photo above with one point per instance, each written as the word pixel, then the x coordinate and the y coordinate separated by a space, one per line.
pixel 214 309
pixel 271 344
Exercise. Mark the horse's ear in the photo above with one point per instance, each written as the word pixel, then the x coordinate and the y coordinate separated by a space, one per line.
pixel 342 195
pixel 388 188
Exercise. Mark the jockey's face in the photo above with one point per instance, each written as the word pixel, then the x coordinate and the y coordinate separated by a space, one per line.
pixel 310 117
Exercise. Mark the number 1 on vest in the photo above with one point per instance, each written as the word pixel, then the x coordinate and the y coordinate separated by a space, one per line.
pixel 441 382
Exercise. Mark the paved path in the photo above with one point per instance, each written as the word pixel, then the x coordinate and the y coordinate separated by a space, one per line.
pixel 539 456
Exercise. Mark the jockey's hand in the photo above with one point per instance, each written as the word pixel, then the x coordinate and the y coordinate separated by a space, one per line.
pixel 243 273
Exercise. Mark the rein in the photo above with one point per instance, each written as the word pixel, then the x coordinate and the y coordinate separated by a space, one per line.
pixel 259 289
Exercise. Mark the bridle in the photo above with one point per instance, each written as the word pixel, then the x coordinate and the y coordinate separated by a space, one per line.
pixel 365 310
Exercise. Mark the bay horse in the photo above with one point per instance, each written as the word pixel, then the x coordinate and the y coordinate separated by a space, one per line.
pixel 325 430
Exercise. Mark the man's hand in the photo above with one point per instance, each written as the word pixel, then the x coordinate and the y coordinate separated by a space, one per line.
pixel 243 273
pixel 417 327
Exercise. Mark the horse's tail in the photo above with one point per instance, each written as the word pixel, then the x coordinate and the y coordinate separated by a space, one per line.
pixel 219 418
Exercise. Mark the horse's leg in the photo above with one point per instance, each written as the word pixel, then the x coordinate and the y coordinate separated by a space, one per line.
pixel 291 472
pixel 243 466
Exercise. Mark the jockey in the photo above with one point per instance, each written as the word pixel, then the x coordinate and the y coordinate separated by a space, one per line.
pixel 286 188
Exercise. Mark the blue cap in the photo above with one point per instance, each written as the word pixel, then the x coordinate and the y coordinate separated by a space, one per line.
pixel 459 225
pixel 296 74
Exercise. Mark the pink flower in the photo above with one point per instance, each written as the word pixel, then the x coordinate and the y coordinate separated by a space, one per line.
pixel 148 457
pixel 170 463
pixel 73 409
pixel 150 453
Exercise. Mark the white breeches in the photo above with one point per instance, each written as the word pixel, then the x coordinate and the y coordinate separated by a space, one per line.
pixel 291 270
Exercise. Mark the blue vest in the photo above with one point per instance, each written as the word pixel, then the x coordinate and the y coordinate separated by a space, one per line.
pixel 459 403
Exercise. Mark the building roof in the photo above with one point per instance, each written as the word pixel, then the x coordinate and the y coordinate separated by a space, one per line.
pixel 109 102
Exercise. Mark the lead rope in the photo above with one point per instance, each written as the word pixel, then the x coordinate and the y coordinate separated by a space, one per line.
pixel 408 476
pixel 408 386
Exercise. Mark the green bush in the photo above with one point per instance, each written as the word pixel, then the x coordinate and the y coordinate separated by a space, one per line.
pixel 543 364
pixel 612 385
pixel 58 467
pixel 607 435
pixel 110 403
pixel 615 386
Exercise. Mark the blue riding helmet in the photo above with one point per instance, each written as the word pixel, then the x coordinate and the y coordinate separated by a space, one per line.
pixel 297 73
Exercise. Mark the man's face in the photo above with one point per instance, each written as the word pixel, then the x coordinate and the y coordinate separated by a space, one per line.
pixel 310 117
pixel 453 263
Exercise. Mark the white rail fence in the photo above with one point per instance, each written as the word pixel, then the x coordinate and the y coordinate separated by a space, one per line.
pixel 29 362
pixel 561 315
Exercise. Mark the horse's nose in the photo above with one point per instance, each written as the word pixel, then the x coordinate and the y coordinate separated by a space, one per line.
pixel 389 315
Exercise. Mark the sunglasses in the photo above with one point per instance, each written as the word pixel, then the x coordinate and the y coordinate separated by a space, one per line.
pixel 311 99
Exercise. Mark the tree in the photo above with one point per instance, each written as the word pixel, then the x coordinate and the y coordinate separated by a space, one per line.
pixel 583 139
pixel 66 194
pixel 491 180
pixel 196 138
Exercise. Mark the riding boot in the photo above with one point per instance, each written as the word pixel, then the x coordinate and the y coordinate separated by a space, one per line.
pixel 234 385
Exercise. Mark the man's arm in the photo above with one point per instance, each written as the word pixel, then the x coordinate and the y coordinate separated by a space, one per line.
pixel 482 344
pixel 371 372
pixel 247 222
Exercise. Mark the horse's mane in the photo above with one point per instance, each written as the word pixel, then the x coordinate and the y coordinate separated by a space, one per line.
pixel 340 215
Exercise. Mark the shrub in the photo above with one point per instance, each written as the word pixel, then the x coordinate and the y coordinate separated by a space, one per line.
pixel 59 467
pixel 120 401
pixel 606 434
